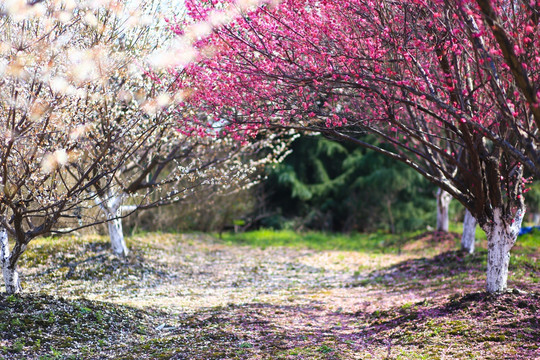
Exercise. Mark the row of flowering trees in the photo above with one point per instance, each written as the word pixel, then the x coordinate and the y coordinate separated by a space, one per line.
pixel 452 85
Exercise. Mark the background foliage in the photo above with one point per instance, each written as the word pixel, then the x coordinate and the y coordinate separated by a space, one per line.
pixel 331 186
pixel 321 185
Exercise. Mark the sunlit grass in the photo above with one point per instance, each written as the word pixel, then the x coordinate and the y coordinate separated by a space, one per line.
pixel 458 228
pixel 530 240
pixel 377 242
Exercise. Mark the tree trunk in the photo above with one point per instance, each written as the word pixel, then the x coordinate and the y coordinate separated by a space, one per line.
pixel 116 233
pixel 536 219
pixel 469 230
pixel 112 207
pixel 443 204
pixel 502 235
pixel 11 276
pixel 391 217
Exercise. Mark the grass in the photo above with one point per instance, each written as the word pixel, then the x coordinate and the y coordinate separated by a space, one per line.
pixel 530 240
pixel 458 228
pixel 378 242
pixel 47 325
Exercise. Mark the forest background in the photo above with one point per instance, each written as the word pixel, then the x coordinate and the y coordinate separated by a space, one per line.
pixel 322 185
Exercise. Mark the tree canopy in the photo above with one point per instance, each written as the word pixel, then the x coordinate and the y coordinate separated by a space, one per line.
pixel 452 85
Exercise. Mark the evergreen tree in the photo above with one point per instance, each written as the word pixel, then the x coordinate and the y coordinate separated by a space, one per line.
pixel 327 185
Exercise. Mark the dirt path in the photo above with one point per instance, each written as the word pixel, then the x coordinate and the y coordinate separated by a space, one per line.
pixel 197 298
pixel 190 272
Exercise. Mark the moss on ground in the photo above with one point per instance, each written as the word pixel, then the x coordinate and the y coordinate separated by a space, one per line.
pixel 38 326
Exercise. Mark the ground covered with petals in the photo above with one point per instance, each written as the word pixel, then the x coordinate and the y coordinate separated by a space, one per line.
pixel 270 296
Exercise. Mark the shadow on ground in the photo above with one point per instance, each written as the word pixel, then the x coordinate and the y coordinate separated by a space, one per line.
pixel 451 270
pixel 475 325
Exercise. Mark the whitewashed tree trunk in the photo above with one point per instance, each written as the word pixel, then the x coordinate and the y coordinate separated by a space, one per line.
pixel 469 230
pixel 502 235
pixel 116 233
pixel 536 219
pixel 11 276
pixel 443 205
pixel 112 209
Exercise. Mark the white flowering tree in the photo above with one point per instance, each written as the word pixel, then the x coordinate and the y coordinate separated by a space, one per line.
pixel 54 74
pixel 171 167
pixel 85 124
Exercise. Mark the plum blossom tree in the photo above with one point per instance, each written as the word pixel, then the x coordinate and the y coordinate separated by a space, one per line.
pixel 171 167
pixel 168 164
pixel 83 123
pixel 54 68
pixel 452 85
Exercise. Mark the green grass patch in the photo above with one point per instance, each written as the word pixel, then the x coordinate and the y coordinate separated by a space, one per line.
pixel 378 242
pixel 525 258
pixel 530 240
pixel 458 228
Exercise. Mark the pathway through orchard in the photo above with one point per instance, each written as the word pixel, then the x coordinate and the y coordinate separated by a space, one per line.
pixel 297 303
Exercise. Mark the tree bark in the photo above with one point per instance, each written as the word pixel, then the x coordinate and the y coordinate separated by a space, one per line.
pixel 11 276
pixel 502 235
pixel 469 230
pixel 443 204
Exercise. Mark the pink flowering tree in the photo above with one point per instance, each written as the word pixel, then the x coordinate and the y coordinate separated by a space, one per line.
pixel 453 86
